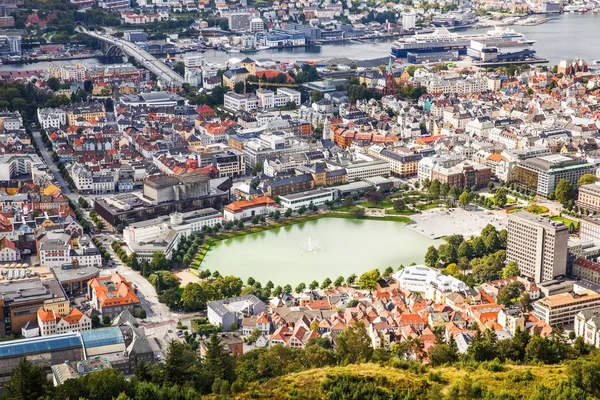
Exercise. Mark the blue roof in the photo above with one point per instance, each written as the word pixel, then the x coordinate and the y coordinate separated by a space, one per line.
pixel 23 347
pixel 102 337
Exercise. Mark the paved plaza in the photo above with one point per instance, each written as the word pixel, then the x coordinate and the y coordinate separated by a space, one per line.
pixel 438 223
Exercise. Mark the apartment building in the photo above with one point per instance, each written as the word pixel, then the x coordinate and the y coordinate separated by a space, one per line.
pixel 87 111
pixel 538 245
pixel 51 117
pixel 589 197
pixel 230 163
pixel 463 175
pixel 427 164
pixel 402 163
pixel 52 323
pixel 589 229
pixel 587 326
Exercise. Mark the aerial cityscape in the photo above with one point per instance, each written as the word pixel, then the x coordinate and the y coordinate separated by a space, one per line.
pixel 262 199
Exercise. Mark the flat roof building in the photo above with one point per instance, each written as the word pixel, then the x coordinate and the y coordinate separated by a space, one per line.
pixel 561 309
pixel 538 245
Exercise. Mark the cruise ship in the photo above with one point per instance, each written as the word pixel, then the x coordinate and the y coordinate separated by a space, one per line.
pixel 442 40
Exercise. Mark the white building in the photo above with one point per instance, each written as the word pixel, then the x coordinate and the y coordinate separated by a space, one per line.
pixel 88 181
pixel 409 20
pixel 317 197
pixel 51 117
pixel 587 326
pixel 184 223
pixel 257 25
pixel 51 323
pixel 428 164
pixel 422 279
pixel 245 209
pixel 68 72
pixel 13 164
pixel 263 98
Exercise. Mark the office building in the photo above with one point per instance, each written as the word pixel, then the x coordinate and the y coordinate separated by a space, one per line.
pixel 135 36
pixel 538 245
pixel 589 197
pixel 317 197
pixel 561 309
pixel 409 20
pixel 111 295
pixel 542 174
pixel 10 45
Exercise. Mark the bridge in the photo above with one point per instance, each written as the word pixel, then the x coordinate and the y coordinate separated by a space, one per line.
pixel 118 47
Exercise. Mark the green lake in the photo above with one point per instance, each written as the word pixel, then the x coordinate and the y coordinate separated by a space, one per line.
pixel 317 249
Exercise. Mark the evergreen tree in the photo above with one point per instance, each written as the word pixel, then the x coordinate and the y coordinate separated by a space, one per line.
pixel 217 363
pixel 28 382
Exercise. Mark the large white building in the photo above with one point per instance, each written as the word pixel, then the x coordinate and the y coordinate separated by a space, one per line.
pixel 317 197
pixel 428 164
pixel 51 117
pixel 538 245
pixel 88 181
pixel 409 20
pixel 422 279
pixel 12 164
pixel 57 248
pixel 263 98
pixel 139 235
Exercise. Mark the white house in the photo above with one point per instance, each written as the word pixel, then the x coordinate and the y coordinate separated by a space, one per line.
pixel 245 209
pixel 51 323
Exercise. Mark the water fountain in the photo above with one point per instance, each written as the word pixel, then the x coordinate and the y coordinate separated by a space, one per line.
pixel 309 247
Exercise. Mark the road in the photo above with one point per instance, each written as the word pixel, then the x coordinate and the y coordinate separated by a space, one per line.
pixel 64 186
pixel 145 59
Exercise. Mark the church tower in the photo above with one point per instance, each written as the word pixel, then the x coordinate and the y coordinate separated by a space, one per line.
pixel 326 130
pixel 389 79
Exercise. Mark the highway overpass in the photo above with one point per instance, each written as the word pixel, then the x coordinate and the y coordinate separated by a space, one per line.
pixel 165 74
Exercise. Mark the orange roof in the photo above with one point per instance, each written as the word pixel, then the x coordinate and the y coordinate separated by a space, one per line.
pixel 74 316
pixel 5 243
pixel 113 291
pixel 495 157
pixel 255 202
pixel 269 74
pixel 46 315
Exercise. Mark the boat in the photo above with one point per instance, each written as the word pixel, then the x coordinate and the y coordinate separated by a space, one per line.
pixel 582 10
pixel 571 8
pixel 249 50
pixel 442 40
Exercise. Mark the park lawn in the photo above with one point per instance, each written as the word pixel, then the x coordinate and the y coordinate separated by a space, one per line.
pixel 566 221
pixel 429 206
pixel 510 200
pixel 403 212
pixel 514 210
pixel 381 204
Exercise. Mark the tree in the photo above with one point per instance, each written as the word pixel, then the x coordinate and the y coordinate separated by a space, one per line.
pixel 511 269
pixel 369 279
pixel 463 199
pixel 353 345
pixel 142 314
pixel 181 364
pixel 159 261
pixel 288 213
pixel 358 212
pixel 300 288
pixel 431 256
pixel 399 205
pixel 510 293
pixel 239 87
pixel 586 180
pixel 53 84
pixel 218 363
pixel 27 382
pixel 500 198
pixel 95 321
pixel 348 202
pixel 442 353
pixel 339 281
pixel 564 192
pixel 313 285
pixel 88 86
pixel 388 272
pixel 106 319
pixel 351 279
pixel 287 289
pixel 375 197
pixel 465 250
pixel 326 283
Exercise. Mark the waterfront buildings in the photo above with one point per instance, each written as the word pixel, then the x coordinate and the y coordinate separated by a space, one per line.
pixel 538 246
pixel 317 197
pixel 245 209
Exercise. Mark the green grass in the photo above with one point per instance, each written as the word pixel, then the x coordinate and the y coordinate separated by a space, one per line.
pixel 403 212
pixel 428 206
pixel 514 210
pixel 307 384
pixel 565 221
pixel 381 204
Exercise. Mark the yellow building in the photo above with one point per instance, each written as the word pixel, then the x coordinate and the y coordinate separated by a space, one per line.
pixel 89 112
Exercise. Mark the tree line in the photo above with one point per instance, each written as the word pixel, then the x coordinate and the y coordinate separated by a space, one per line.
pixel 186 376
